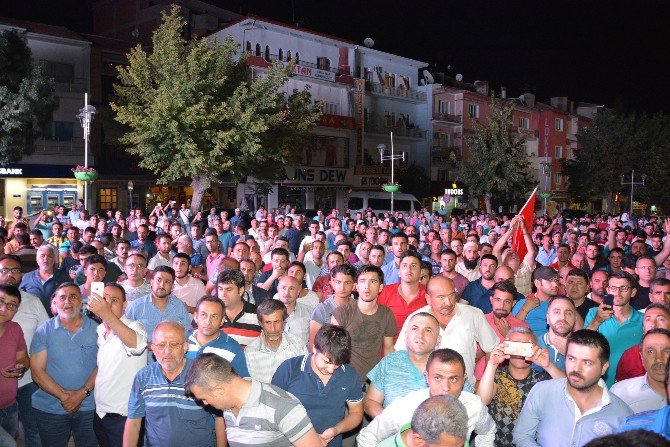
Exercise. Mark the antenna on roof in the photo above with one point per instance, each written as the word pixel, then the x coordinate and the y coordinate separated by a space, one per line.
pixel 429 77
pixel 368 42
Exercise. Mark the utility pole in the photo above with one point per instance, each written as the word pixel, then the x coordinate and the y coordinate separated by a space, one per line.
pixel 632 184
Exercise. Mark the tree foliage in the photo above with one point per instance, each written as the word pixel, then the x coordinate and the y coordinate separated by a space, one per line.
pixel 498 168
pixel 193 111
pixel 26 98
pixel 613 145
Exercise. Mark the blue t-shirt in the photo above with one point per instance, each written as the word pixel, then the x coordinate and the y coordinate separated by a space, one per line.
pixel 224 347
pixel 395 376
pixel 171 418
pixel 536 318
pixel 325 405
pixel 70 360
pixel 146 312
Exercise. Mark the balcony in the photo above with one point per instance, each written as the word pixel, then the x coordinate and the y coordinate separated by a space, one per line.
pixel 76 85
pixel 55 147
pixel 445 154
pixel 398 131
pixel 529 134
pixel 454 119
pixel 395 92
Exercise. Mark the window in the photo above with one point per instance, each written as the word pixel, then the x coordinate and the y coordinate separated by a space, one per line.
pixel 280 54
pixel 288 55
pixel 267 52
pixel 58 131
pixel 558 179
pixel 258 49
pixel 355 203
pixel 444 107
pixel 60 72
pixel 329 108
pixel 473 110
pixel 441 175
pixel 558 150
pixel 559 125
pixel 248 47
pixel 297 57
pixel 107 198
pixel 323 63
pixel 524 123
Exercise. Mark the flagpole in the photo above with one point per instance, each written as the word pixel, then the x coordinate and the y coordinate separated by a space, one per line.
pixel 527 200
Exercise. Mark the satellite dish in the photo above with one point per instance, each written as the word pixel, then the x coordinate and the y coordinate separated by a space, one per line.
pixel 422 81
pixel 522 99
pixel 368 42
pixel 429 77
pixel 459 77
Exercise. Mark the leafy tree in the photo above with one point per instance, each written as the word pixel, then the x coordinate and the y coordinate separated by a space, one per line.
pixel 414 180
pixel 26 98
pixel 498 168
pixel 193 112
pixel 613 145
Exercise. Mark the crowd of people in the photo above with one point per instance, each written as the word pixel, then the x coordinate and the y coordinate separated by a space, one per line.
pixel 273 329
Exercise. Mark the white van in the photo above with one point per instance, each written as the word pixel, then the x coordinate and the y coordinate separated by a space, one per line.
pixel 381 202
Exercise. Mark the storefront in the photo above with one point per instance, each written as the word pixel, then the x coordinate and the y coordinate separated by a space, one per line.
pixel 36 187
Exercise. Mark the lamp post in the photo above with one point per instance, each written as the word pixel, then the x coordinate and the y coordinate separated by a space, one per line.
pixel 130 195
pixel 86 115
pixel 392 187
pixel 632 184
pixel 546 170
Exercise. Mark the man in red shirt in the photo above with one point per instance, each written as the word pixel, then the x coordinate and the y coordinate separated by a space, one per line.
pixel 656 316
pixel 408 295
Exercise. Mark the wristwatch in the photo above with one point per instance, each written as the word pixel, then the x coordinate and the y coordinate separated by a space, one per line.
pixel 87 390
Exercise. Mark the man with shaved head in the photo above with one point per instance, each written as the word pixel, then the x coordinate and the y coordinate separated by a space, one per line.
pixel 297 314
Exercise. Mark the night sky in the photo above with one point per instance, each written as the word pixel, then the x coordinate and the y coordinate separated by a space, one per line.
pixel 605 52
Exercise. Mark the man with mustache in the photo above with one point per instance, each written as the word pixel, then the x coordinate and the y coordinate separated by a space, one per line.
pixel 561 318
pixel 468 266
pixel 577 409
pixel 159 305
pixel 648 392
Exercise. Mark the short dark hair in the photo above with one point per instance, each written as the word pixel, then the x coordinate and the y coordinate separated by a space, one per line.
pixel 117 286
pixel 411 254
pixel 489 257
pixel 95 259
pixel 87 250
pixel 334 342
pixel 399 234
pixel 445 355
pixel 659 330
pixel 209 299
pixel 506 285
pixel 11 291
pixel 378 247
pixel 371 269
pixel 13 258
pixel 345 269
pixel 594 339
pixel 231 277
pixel 280 251
pixel 628 260
pixel 182 256
pixel 23 238
pixel 165 269
pixel 659 282
pixel 579 272
pixel 625 276
pixel 268 307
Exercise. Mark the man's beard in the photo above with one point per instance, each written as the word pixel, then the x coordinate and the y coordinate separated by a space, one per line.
pixel 470 265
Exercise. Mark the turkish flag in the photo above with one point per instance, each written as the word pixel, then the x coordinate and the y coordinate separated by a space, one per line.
pixel 528 214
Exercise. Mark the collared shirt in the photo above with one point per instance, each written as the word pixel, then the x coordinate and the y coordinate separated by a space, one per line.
pixel 172 418
pixel 146 312
pixel 555 356
pixel 466 328
pixel 297 324
pixel 312 272
pixel 117 366
pixel 390 273
pixel 549 417
pixel 263 360
pixel 33 284
pixel 391 298
pixel 544 257
pixel 639 396
pixel 212 262
pixel 629 366
pixel 223 346
pixel 400 411
pixel 30 316
pixel 325 403
pixel 190 292
pixel 243 328
pixel 147 246
pixel 395 376
pixel 270 417
pixel 71 358
pixel 476 295
pixel 159 260
pixel 620 337
pixel 657 421
pixel 536 318
pixel 471 275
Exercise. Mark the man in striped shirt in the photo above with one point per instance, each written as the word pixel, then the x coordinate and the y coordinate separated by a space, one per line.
pixel 159 396
pixel 256 414
pixel 240 321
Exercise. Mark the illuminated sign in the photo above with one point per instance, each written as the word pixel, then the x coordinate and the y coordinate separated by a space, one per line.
pixel 11 171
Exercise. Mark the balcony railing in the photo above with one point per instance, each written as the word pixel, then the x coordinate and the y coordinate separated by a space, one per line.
pixel 77 85
pixel 448 118
pixel 398 131
pixel 55 147
pixel 275 57
pixel 530 134
pixel 397 92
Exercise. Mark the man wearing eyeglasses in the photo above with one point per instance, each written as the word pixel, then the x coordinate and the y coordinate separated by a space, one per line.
pixel 63 363
pixel 159 396
pixel 30 315
pixel 621 324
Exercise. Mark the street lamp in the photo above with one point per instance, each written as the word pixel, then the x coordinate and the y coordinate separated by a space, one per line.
pixel 85 116
pixel 130 195
pixel 632 184
pixel 390 187
pixel 546 170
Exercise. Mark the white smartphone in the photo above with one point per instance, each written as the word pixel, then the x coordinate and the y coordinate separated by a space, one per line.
pixel 518 348
pixel 98 288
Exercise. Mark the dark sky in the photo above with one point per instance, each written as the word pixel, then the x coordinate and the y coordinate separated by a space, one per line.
pixel 606 52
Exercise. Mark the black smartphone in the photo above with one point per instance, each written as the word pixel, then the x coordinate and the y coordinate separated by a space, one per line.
pixel 608 300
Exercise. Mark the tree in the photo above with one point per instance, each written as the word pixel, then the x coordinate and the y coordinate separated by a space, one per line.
pixel 193 112
pixel 414 180
pixel 26 98
pixel 613 145
pixel 498 168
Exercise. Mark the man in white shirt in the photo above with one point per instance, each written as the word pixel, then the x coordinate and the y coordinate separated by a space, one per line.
pixel 135 283
pixel 468 267
pixel 461 325
pixel 648 392
pixel 445 374
pixel 297 314
pixel 267 352
pixel 162 256
pixel 121 354
pixel 186 287
pixel 313 266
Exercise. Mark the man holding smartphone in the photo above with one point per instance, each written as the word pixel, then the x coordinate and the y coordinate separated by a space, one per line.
pixel 620 323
